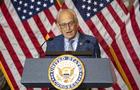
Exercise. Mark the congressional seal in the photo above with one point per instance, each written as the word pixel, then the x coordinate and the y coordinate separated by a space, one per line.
pixel 66 72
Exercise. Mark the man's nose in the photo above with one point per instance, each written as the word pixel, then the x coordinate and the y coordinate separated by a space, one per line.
pixel 68 26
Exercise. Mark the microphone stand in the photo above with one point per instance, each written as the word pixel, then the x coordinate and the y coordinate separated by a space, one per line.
pixel 50 39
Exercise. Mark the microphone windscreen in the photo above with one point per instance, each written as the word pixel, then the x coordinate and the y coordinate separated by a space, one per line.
pixel 47 37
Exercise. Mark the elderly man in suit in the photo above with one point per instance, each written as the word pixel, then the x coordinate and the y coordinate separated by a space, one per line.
pixel 71 39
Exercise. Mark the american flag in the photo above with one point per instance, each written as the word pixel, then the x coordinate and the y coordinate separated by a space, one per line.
pixel 25 23
pixel 117 29
pixel 23 26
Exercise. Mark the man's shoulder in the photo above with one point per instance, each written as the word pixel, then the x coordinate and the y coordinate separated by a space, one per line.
pixel 57 38
pixel 85 36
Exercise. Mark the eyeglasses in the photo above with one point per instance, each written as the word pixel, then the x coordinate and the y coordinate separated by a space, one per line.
pixel 69 24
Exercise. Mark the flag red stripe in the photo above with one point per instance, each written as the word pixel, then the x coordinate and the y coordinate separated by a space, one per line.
pixel 115 16
pixel 98 36
pixel 29 88
pixel 15 30
pixel 125 38
pixel 116 87
pixel 121 4
pixel 10 75
pixel 49 16
pixel 124 65
pixel 106 25
pixel 64 6
pixel 32 38
pixel 51 34
pixel 130 48
pixel 40 25
pixel 11 51
pixel 100 39
pixel 120 23
pixel 57 6
pixel 134 24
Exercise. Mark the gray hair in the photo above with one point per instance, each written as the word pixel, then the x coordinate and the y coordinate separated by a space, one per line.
pixel 68 10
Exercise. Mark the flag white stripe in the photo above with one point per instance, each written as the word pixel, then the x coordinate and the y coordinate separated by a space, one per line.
pixel 100 27
pixel 11 65
pixel 120 13
pixel 54 27
pixel 109 88
pixel 116 29
pixel 12 40
pixel 21 29
pixel 53 11
pixel 132 38
pixel 128 60
pixel 111 20
pixel 55 30
pixel 35 29
pixel 103 53
pixel 27 40
pixel 120 81
pixel 45 21
pixel 137 13
pixel 37 89
pixel 118 10
pixel 37 34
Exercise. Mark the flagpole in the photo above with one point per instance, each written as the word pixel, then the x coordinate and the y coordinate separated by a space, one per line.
pixel 6 76
pixel 120 69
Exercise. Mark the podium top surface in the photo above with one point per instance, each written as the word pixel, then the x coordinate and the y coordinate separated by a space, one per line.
pixel 77 53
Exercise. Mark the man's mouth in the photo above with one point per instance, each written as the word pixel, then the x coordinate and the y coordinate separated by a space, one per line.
pixel 69 31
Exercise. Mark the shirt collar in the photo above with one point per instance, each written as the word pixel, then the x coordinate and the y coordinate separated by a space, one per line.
pixel 75 38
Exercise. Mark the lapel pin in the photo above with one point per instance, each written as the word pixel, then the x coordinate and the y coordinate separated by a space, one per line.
pixel 81 43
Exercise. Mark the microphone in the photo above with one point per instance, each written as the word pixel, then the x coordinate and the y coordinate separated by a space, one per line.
pixel 50 39
pixel 47 38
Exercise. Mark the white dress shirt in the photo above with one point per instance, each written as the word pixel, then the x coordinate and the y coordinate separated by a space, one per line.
pixel 74 44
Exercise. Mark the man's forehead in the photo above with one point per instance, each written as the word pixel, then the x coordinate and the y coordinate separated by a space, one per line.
pixel 65 21
pixel 64 18
pixel 65 15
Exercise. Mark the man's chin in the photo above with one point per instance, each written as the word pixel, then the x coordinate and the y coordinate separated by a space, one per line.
pixel 70 37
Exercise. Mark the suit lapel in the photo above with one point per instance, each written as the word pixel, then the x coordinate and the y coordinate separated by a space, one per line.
pixel 61 45
pixel 80 42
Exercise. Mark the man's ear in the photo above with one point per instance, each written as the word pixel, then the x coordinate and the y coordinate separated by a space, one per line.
pixel 58 25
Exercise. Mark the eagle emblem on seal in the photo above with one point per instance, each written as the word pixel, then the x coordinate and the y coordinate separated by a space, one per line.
pixel 66 74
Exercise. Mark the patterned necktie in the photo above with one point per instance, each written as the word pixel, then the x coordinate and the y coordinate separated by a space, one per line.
pixel 70 47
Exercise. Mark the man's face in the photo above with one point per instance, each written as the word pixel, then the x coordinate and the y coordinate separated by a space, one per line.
pixel 68 25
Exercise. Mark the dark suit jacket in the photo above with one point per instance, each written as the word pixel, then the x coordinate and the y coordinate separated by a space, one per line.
pixel 85 43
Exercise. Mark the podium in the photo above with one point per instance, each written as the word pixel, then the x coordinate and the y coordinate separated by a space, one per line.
pixel 98 72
